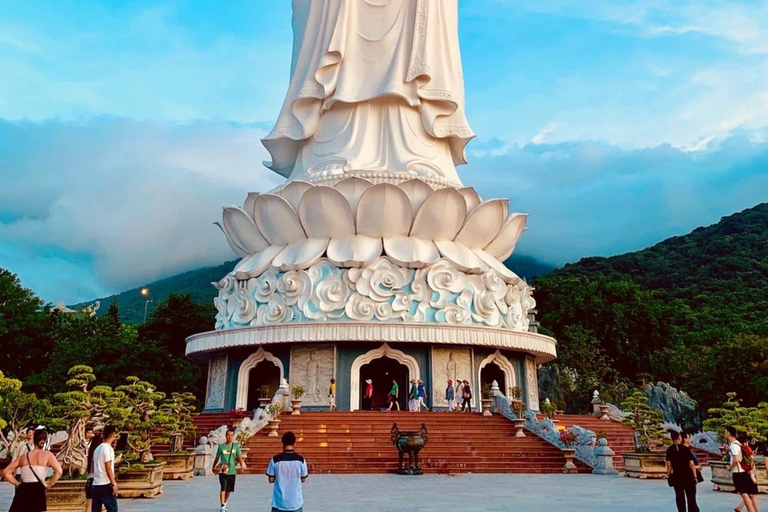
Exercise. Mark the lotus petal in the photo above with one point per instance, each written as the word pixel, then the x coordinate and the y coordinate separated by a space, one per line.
pixel 257 264
pixel 417 192
pixel 506 274
pixel 301 254
pixel 325 213
pixel 483 224
pixel 249 202
pixel 232 245
pixel 277 220
pixel 384 211
pixel 353 188
pixel 354 251
pixel 441 216
pixel 471 198
pixel 462 257
pixel 503 245
pixel 294 191
pixel 411 252
pixel 241 228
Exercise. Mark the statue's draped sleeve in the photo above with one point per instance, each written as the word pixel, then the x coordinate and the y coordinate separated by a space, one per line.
pixel 338 57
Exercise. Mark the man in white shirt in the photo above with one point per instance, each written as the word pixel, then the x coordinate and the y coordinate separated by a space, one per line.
pixel 742 480
pixel 104 489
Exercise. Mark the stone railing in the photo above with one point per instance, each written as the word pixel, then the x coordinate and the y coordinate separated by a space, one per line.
pixel 545 429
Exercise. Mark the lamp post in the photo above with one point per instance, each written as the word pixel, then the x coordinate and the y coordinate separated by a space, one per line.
pixel 145 293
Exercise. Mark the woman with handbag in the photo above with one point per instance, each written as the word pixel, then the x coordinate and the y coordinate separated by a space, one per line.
pixel 30 491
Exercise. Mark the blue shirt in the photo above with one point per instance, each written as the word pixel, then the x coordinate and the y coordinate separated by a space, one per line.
pixel 421 390
pixel 287 468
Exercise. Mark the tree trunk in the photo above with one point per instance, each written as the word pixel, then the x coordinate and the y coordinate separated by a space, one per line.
pixel 73 456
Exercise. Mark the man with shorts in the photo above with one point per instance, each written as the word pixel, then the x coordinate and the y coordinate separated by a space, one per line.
pixel 287 471
pixel 228 457
pixel 742 479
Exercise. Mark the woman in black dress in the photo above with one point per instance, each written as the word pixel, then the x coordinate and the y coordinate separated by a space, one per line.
pixel 30 491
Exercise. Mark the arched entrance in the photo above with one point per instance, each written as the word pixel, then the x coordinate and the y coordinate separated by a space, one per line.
pixel 263 381
pixel 499 369
pixel 253 374
pixel 381 371
pixel 357 384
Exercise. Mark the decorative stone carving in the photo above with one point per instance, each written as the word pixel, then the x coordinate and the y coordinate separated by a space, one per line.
pixel 448 363
pixel 217 382
pixel 312 366
pixel 381 290
pixel 532 384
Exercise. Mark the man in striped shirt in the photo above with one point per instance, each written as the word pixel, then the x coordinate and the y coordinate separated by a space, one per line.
pixel 287 471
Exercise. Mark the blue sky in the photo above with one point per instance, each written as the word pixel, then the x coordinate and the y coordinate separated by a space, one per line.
pixel 125 125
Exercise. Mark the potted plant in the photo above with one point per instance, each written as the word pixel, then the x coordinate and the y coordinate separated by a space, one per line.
pixel 236 416
pixel 274 411
pixel 647 461
pixel 297 392
pixel 568 439
pixel 265 397
pixel 750 421
pixel 242 439
pixel 549 409
pixel 519 408
pixel 487 400
pixel 140 475
pixel 179 463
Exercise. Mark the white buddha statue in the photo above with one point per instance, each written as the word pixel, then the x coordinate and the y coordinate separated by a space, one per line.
pixel 375 85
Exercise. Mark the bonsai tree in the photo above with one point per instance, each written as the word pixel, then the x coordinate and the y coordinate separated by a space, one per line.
pixel 17 410
pixel 274 410
pixel 297 392
pixel 486 390
pixel 549 408
pixel 515 393
pixel 146 419
pixel 264 391
pixel 649 433
pixel 179 409
pixel 751 421
pixel 74 409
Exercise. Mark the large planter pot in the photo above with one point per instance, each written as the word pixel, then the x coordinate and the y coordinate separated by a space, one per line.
pixel 273 426
pixel 264 402
pixel 569 466
pixel 486 403
pixel 178 466
pixel 67 496
pixel 296 407
pixel 645 465
pixel 519 426
pixel 604 412
pixel 141 482
pixel 723 481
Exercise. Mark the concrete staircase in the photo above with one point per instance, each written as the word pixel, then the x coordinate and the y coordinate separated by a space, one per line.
pixel 359 442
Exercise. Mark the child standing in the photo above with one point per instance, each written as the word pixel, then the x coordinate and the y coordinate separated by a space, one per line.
pixel 450 395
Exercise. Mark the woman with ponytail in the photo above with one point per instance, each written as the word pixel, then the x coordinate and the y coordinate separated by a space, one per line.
pixel 30 490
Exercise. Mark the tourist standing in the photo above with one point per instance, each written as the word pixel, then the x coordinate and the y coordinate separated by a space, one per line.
pixel 332 396
pixel 33 466
pixel 450 395
pixel 466 397
pixel 753 474
pixel 413 394
pixel 24 446
pixel 421 395
pixel 745 485
pixel 459 393
pixel 104 487
pixel 93 443
pixel 287 471
pixel 368 405
pixel 228 457
pixel 681 474
pixel 394 394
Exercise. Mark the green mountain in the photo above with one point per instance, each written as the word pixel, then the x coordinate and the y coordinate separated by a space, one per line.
pixel 198 284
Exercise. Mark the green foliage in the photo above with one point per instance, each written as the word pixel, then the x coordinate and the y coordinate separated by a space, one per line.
pixel 751 421
pixel 646 420
pixel 145 419
pixel 549 408
pixel 515 393
pixel 486 390
pixel 179 408
pixel 18 409
pixel 274 409
pixel 297 392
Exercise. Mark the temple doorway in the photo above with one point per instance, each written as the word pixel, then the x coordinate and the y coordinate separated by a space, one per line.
pixel 263 381
pixel 381 371
pixel 493 372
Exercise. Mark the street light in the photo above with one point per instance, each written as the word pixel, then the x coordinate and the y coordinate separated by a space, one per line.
pixel 145 293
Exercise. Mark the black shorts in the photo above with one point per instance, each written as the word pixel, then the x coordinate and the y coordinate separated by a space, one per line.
pixel 227 483
pixel 89 489
pixel 744 484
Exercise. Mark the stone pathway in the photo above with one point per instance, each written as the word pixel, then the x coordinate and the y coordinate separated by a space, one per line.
pixel 432 493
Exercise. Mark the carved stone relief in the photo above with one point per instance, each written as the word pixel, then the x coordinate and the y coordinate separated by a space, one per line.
pixel 532 384
pixel 312 366
pixel 217 382
pixel 448 363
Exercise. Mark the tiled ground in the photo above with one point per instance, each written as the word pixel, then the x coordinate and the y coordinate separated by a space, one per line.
pixel 432 493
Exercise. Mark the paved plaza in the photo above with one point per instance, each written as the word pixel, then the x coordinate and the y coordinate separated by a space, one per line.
pixel 428 493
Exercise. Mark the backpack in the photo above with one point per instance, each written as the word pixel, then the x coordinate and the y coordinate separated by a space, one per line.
pixel 747 458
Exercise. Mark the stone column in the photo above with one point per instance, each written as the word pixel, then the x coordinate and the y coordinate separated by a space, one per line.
pixel 604 454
